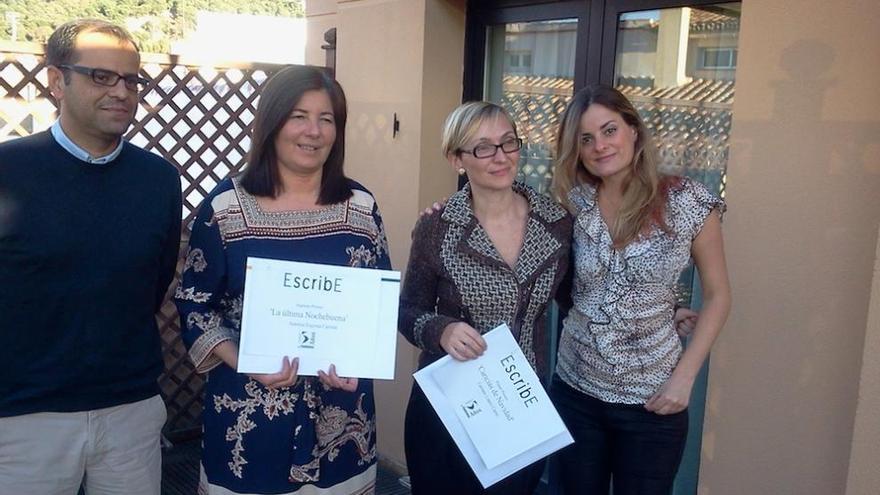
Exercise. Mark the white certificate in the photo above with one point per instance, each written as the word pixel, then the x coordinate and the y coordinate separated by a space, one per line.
pixel 321 314
pixel 495 408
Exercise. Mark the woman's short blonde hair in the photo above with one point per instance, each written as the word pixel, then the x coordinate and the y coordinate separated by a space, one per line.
pixel 462 124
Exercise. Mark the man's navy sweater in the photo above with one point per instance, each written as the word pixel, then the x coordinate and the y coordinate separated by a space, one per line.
pixel 86 254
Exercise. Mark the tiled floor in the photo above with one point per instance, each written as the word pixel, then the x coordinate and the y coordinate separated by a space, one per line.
pixel 180 472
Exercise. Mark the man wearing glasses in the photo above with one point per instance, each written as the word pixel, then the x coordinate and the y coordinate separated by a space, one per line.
pixel 89 237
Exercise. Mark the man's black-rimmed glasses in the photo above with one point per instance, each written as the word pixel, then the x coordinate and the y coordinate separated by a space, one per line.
pixel 105 77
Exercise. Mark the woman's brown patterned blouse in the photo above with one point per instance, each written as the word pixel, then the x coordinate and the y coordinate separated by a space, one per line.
pixel 456 274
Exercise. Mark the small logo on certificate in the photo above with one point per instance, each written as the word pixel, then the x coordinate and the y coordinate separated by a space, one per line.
pixel 471 408
pixel 307 339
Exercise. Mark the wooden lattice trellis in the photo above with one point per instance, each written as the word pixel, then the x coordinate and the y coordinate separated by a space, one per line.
pixel 198 118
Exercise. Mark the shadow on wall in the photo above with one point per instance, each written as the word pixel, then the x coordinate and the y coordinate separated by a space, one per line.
pixel 370 126
pixel 808 176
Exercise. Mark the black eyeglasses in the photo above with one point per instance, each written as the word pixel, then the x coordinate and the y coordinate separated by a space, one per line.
pixel 486 150
pixel 105 77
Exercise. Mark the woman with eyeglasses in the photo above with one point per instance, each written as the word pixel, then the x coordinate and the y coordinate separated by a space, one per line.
pixel 495 254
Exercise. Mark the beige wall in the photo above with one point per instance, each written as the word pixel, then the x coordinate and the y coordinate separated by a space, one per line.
pixel 804 206
pixel 801 231
pixel 441 92
pixel 864 472
pixel 320 16
pixel 382 48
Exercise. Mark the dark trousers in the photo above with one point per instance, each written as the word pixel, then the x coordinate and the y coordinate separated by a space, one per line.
pixel 637 450
pixel 436 466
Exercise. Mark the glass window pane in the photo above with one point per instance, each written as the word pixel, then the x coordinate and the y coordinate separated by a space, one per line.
pixel 678 67
pixel 530 72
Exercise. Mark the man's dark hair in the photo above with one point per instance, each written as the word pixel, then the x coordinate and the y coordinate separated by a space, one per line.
pixel 61 47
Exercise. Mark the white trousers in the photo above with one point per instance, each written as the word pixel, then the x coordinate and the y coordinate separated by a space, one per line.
pixel 111 451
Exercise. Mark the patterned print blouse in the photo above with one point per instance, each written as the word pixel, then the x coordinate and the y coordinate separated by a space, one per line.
pixel 456 274
pixel 294 440
pixel 618 342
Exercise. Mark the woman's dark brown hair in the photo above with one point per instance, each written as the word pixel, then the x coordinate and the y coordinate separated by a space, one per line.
pixel 278 98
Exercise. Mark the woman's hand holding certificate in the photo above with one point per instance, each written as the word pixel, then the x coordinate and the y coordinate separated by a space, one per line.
pixel 228 352
pixel 332 380
pixel 495 397
pixel 462 341
pixel 284 378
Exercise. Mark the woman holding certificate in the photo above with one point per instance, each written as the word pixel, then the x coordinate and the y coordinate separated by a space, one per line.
pixel 495 254
pixel 279 433
pixel 622 381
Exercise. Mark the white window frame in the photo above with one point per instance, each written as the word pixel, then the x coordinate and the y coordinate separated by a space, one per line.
pixel 731 51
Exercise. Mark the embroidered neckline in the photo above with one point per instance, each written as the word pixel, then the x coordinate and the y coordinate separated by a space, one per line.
pixel 256 216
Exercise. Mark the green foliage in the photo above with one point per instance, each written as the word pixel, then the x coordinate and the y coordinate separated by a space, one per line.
pixel 153 23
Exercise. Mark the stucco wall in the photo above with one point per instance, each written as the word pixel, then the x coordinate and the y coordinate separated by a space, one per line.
pixel 864 472
pixel 320 16
pixel 800 233
pixel 382 49
pixel 804 206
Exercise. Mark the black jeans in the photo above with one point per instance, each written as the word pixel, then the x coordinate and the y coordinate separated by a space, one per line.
pixel 436 466
pixel 637 450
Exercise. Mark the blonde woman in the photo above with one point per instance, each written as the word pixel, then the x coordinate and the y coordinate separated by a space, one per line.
pixel 623 382
pixel 495 254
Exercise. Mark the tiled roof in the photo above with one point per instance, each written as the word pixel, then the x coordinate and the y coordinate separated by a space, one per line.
pixel 703 20
pixel 538 84
pixel 700 21
pixel 698 90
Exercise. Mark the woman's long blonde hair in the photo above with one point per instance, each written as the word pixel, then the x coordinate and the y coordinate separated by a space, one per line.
pixel 645 191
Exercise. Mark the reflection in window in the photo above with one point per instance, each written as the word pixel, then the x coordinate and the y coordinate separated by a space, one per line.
pixel 717 58
pixel 677 66
pixel 520 62
pixel 530 71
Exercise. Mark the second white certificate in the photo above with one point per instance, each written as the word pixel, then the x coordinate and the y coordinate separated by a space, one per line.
pixel 495 408
pixel 321 314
